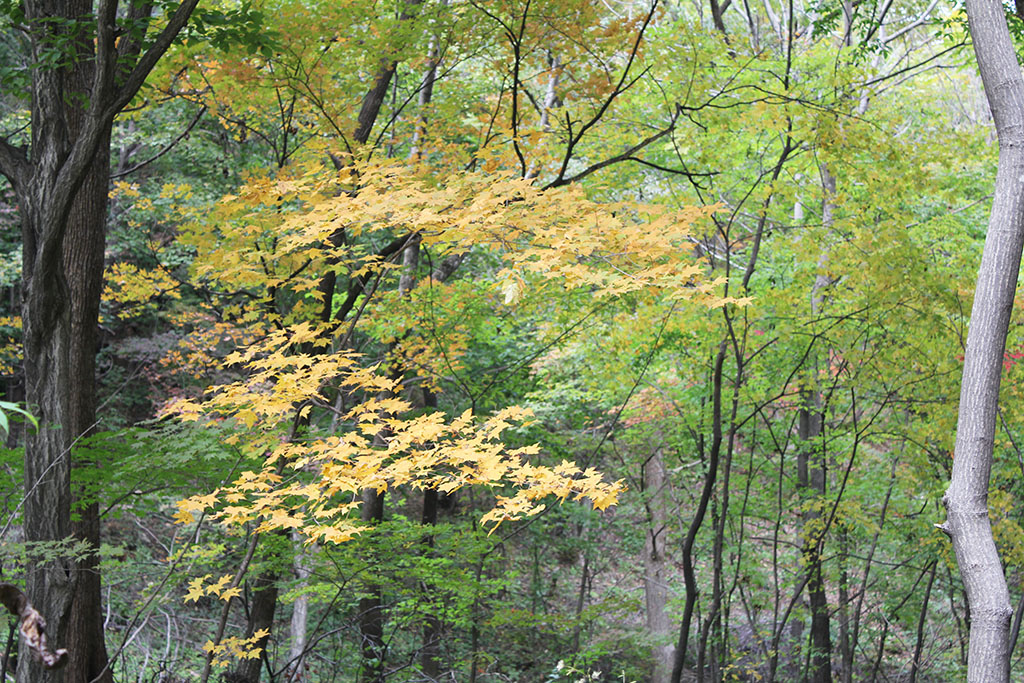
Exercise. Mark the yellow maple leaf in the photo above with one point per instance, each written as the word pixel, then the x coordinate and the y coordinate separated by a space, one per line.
pixel 195 588
pixel 230 593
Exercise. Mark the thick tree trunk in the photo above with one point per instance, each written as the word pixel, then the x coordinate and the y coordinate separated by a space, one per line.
pixel 83 265
pixel 72 111
pixel 966 500
pixel 47 330
pixel 47 511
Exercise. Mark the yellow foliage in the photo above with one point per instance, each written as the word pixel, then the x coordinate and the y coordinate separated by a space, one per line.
pixel 559 236
pixel 234 647
pixel 425 451
pixel 130 289
pixel 220 588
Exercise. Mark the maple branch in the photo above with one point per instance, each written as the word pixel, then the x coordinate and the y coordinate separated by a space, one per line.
pixel 32 626
pixel 676 171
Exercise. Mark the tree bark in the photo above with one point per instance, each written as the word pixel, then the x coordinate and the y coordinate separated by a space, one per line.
pixel 83 252
pixel 72 110
pixel 83 265
pixel 966 500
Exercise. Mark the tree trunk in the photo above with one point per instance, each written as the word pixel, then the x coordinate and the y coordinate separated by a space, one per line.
pixel 710 476
pixel 656 568
pixel 430 653
pixel 261 616
pixel 371 610
pixel 811 471
pixel 300 616
pixel 72 111
pixel 84 246
pixel 811 477
pixel 47 516
pixel 966 500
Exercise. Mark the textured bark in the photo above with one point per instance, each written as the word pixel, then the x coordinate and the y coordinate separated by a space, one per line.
pixel 83 266
pixel 84 246
pixel 72 111
pixel 966 500
pixel 47 330
pixel 47 465
pixel 656 568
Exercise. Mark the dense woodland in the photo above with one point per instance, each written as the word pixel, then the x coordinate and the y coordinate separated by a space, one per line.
pixel 508 340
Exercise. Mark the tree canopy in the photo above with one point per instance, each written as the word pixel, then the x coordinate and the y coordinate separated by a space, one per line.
pixel 501 340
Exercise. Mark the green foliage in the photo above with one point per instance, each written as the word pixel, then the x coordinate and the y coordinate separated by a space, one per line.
pixel 246 200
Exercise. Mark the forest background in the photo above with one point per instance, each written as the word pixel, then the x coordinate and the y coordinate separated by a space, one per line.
pixel 524 340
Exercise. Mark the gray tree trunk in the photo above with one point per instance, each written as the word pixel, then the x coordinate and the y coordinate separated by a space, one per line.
pixel 300 615
pixel 966 500
pixel 656 568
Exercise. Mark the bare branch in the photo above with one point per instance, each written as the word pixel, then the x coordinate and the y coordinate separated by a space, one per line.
pixel 138 75
pixel 628 154
pixel 167 148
